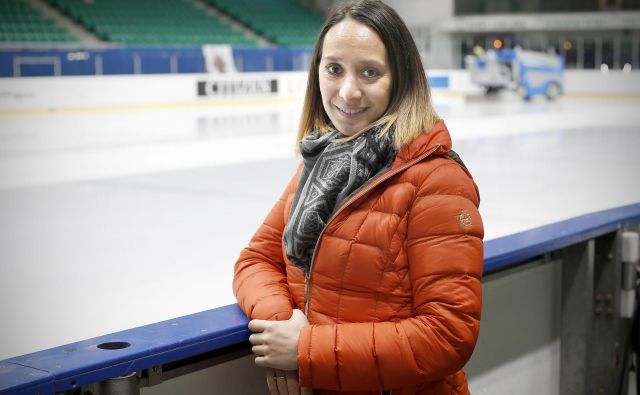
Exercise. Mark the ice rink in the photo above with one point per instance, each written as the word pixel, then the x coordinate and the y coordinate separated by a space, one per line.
pixel 112 218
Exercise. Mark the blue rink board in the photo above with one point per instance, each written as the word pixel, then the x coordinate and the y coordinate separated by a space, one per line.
pixel 77 364
pixel 510 250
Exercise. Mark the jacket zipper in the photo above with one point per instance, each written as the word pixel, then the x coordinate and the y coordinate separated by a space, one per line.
pixel 356 196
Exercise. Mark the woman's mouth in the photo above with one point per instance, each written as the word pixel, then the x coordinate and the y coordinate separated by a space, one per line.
pixel 351 111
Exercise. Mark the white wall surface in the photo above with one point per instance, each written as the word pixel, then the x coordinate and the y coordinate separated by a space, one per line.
pixel 422 12
pixel 414 12
pixel 595 81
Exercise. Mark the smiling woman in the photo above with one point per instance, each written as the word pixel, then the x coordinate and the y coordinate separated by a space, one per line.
pixel 376 43
pixel 354 76
pixel 365 276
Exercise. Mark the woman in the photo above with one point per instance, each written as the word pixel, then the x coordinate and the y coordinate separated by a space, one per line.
pixel 365 276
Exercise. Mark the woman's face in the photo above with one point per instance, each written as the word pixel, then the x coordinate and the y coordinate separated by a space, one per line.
pixel 354 75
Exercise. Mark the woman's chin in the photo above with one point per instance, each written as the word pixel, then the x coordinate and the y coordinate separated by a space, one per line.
pixel 347 130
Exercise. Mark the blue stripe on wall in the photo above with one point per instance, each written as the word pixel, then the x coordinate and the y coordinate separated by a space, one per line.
pixel 441 82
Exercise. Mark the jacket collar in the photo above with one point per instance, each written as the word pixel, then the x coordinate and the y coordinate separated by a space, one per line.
pixel 425 142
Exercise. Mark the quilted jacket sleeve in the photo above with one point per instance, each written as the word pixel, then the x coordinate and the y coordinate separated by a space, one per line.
pixel 444 248
pixel 260 283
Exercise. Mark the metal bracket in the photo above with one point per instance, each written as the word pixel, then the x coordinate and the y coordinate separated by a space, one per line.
pixel 133 382
pixel 630 250
pixel 154 376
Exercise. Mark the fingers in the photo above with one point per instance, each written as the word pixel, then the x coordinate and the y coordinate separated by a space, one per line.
pixel 257 339
pixel 292 382
pixel 276 346
pixel 281 382
pixel 258 325
pixel 260 349
pixel 271 382
pixel 261 361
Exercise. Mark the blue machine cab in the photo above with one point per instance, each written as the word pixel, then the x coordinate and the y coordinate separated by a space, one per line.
pixel 528 73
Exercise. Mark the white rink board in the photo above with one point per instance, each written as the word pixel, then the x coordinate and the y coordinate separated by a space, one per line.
pixel 122 91
pixel 89 92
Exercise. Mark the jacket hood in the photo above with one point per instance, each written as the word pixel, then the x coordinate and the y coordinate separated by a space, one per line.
pixel 425 142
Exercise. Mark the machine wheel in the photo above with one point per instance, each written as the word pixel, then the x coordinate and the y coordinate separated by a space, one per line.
pixel 492 90
pixel 553 91
pixel 521 91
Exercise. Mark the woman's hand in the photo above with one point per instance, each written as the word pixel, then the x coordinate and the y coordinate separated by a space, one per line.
pixel 284 382
pixel 275 343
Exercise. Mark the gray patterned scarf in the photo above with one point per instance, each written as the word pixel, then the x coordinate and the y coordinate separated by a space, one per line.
pixel 332 171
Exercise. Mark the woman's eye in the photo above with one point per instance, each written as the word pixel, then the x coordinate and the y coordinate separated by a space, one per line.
pixel 370 73
pixel 333 69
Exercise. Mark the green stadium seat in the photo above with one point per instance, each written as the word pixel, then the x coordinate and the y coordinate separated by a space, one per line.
pixel 277 20
pixel 19 22
pixel 149 22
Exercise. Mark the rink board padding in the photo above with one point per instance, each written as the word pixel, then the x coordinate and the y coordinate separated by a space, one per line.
pixel 74 365
pixel 504 252
pixel 118 354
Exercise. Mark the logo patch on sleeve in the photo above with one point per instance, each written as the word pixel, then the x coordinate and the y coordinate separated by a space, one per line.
pixel 465 219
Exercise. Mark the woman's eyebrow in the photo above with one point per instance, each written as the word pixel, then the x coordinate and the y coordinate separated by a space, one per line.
pixel 365 62
pixel 374 62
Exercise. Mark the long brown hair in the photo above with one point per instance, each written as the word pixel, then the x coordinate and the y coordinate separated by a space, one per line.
pixel 410 108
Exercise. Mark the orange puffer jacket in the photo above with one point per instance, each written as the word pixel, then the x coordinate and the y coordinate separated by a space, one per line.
pixel 394 294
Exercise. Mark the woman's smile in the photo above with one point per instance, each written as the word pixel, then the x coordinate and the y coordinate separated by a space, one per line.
pixel 351 112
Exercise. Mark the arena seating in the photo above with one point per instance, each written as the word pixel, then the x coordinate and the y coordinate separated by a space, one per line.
pixel 284 22
pixel 163 23
pixel 151 22
pixel 19 22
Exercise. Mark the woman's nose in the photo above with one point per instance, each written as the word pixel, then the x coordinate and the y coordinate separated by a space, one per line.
pixel 349 90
